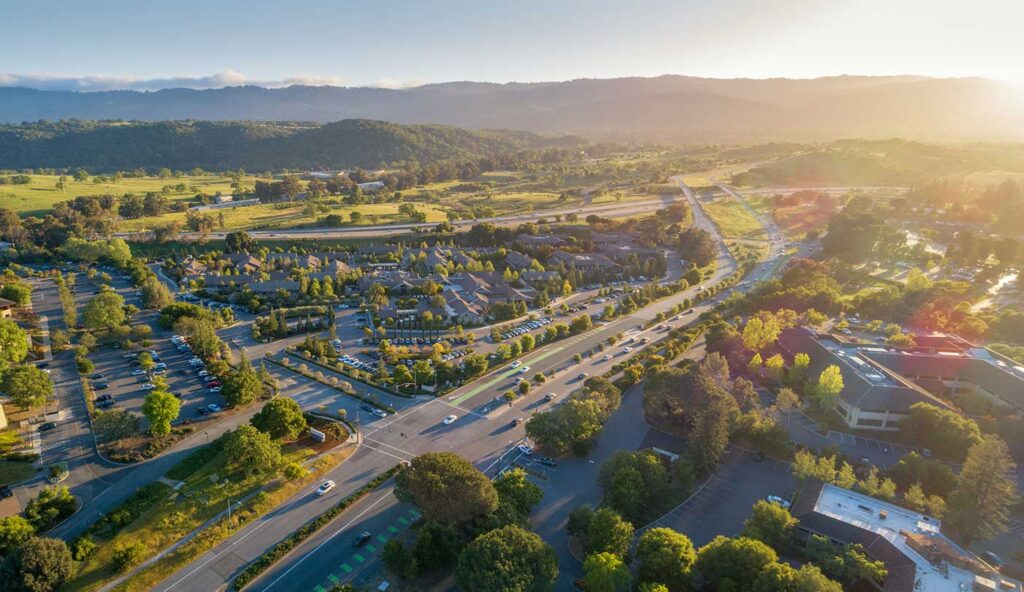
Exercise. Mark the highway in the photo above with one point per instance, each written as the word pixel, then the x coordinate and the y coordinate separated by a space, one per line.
pixel 483 433
pixel 607 210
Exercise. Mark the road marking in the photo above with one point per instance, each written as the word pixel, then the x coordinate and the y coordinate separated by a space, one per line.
pixel 365 445
pixel 346 567
pixel 386 496
pixel 506 375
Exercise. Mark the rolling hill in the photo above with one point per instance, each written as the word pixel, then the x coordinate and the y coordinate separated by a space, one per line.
pixel 222 145
pixel 666 108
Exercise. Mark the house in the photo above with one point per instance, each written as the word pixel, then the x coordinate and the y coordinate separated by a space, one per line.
pixel 284 260
pixel 916 554
pixel 463 311
pixel 621 252
pixel 371 186
pixel 540 240
pixel 539 277
pixel 7 308
pixel 223 199
pixel 272 286
pixel 244 262
pixel 589 262
pixel 192 267
pixel 518 261
pixel 873 396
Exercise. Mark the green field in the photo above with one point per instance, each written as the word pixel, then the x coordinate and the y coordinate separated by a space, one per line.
pixel 41 194
pixel 15 471
pixel 734 221
pixel 287 215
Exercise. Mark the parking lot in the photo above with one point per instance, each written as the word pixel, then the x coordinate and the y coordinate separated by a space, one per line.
pixel 723 503
pixel 125 381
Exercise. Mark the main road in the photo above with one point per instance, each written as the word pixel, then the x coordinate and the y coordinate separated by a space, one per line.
pixel 484 433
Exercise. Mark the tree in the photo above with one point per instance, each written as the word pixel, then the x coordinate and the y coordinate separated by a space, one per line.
pixel 114 425
pixel 798 371
pixel 38 565
pixel 239 242
pixel 986 489
pixel 710 436
pixel 52 505
pixel 607 532
pixel 242 385
pixel 518 492
pixel 733 564
pixel 437 546
pixel 27 386
pixel 155 293
pixel 771 524
pixel 848 564
pixel 780 577
pixel 13 344
pixel 14 530
pixel 945 432
pixel 104 311
pixel 250 450
pixel 605 572
pixel 632 481
pixel 828 387
pixel 507 559
pixel 446 487
pixel 160 408
pixel 20 294
pixel 667 557
pixel 127 553
pixel 281 418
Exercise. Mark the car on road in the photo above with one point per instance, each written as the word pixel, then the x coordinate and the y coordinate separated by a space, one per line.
pixel 774 499
pixel 865 460
pixel 450 419
pixel 138 372
pixel 517 364
pixel 627 349
pixel 363 538
pixel 325 487
pixel 516 421
pixel 47 426
pixel 525 449
pixel 583 376
pixel 550 397
pixel 524 369
pixel 607 357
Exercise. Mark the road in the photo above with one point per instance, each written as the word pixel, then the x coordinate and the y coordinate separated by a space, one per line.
pixel 483 433
pixel 608 210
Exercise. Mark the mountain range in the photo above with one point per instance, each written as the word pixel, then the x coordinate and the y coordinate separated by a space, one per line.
pixel 666 108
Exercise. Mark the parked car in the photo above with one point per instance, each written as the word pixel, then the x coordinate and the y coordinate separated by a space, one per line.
pixel 101 386
pixel 778 500
pixel 525 449
pixel 45 427
pixel 148 386
pixel 105 403
pixel 548 462
pixel 213 407
pixel 215 390
pixel 96 376
pixel 379 413
pixel 138 372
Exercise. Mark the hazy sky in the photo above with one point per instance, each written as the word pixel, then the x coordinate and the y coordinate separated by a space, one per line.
pixel 98 44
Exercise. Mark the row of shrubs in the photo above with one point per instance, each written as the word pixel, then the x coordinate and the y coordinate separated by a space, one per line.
pixel 340 388
pixel 307 530
pixel 340 368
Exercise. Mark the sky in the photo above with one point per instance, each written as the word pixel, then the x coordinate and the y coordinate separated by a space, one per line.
pixel 146 45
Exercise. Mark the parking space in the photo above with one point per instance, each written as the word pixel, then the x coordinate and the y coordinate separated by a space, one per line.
pixel 723 503
pixel 118 378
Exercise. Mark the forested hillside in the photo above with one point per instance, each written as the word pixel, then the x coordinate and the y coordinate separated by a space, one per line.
pixel 255 146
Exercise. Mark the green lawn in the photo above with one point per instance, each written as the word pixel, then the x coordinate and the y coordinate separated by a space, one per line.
pixel 734 221
pixel 287 215
pixel 15 471
pixel 42 193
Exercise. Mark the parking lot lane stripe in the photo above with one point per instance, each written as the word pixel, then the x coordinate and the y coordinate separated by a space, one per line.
pixel 371 549
pixel 319 588
pixel 359 558
pixel 346 568
pixel 334 579
pixel 392 530
pixel 404 521
pixel 382 538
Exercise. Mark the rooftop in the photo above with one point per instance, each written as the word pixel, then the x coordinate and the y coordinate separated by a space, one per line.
pixel 949 568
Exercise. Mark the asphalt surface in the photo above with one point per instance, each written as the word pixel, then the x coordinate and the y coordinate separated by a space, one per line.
pixel 482 433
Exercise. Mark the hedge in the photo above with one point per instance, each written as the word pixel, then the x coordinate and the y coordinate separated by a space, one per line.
pixel 341 369
pixel 268 559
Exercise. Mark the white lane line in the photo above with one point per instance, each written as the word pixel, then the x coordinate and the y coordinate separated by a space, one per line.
pixel 379 443
pixel 384 451
pixel 386 495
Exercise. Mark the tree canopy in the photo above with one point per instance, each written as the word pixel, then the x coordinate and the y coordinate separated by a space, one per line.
pixel 446 487
pixel 27 386
pixel 507 559
pixel 281 418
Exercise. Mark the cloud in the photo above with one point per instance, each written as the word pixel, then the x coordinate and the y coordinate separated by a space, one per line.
pixel 101 83
pixel 396 84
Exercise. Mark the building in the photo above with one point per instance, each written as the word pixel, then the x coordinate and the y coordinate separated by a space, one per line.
pixel 7 308
pixel 223 199
pixel 518 261
pixel 540 240
pixel 917 555
pixel 371 186
pixel 874 397
pixel 591 262
pixel 244 262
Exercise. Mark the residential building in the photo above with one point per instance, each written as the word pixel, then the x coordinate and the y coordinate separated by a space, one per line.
pixel 540 240
pixel 518 261
pixel 918 557
pixel 589 262
pixel 7 308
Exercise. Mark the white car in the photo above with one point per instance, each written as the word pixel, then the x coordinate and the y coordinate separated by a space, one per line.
pixel 778 500
pixel 627 349
pixel 517 364
pixel 607 357
pixel 138 372
pixel 379 412
pixel 450 419
pixel 213 407
pixel 215 389
pixel 325 487
pixel 148 386
pixel 524 369
pixel 525 449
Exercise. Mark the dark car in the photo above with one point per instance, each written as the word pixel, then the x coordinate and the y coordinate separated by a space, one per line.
pixel 96 376
pixel 47 426
pixel 101 386
pixel 104 398
pixel 43 365
pixel 134 363
pixel 105 403
pixel 362 539
pixel 547 462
